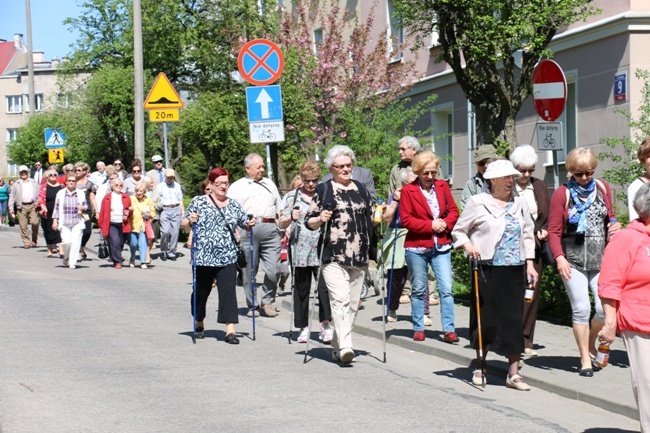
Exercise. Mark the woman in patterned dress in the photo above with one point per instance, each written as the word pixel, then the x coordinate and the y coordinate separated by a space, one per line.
pixel 495 227
pixel 214 218
pixel 304 254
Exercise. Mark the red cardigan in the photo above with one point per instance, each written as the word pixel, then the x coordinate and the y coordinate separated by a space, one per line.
pixel 559 214
pixel 104 219
pixel 416 215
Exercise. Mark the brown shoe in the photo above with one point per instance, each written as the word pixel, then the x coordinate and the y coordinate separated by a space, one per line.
pixel 434 301
pixel 405 299
pixel 269 311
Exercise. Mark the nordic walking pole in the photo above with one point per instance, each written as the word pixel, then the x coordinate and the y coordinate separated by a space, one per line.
pixel 383 287
pixel 318 275
pixel 293 280
pixel 194 283
pixel 479 351
pixel 252 265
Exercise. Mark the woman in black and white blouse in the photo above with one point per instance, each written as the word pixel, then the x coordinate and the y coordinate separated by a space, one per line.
pixel 214 217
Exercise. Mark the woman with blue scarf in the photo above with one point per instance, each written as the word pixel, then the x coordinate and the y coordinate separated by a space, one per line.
pixel 580 221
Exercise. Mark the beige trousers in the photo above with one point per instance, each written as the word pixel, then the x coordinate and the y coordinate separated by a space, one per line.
pixel 638 349
pixel 344 285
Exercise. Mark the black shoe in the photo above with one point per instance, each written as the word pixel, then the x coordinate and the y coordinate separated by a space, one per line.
pixel 163 256
pixel 199 334
pixel 594 366
pixel 231 339
pixel 586 372
pixel 172 257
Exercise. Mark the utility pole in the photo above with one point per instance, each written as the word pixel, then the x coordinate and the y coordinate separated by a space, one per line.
pixel 30 60
pixel 139 81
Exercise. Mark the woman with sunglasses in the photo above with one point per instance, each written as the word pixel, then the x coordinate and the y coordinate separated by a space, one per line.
pixel 304 254
pixel 579 223
pixel 45 207
pixel 428 211
pixel 535 191
pixel 68 219
pixel 84 184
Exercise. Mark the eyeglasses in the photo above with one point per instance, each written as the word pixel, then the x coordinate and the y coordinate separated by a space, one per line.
pixel 481 163
pixel 51 175
pixel 430 173
pixel 583 173
pixel 403 149
pixel 157 162
pixel 310 180
pixel 342 166
pixel 221 183
pixel 526 170
pixel 117 163
pixel 78 169
pixel 136 171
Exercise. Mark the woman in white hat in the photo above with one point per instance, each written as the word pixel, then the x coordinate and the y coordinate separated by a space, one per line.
pixel 495 228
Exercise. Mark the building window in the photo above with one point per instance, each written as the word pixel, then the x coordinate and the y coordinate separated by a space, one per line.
pixel 62 100
pixel 318 39
pixel 11 134
pixel 14 104
pixel 39 102
pixel 395 33
pixel 442 121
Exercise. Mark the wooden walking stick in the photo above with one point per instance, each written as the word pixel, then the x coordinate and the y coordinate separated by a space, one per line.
pixel 479 351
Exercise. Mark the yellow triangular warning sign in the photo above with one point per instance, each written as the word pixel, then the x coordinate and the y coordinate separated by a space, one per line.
pixel 162 95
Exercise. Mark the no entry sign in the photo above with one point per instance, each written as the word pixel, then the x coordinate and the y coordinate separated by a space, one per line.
pixel 549 90
pixel 260 62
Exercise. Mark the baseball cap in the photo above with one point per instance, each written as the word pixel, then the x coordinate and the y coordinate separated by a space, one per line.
pixel 485 152
pixel 23 168
pixel 170 172
pixel 156 158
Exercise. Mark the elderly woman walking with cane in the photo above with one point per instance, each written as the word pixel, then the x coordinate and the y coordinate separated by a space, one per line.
pixel 345 244
pixel 496 228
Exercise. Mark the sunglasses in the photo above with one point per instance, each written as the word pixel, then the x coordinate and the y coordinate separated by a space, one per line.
pixel 51 175
pixel 136 171
pixel 481 163
pixel 79 169
pixel 583 173
pixel 310 180
pixel 341 166
pixel 526 170
pixel 430 173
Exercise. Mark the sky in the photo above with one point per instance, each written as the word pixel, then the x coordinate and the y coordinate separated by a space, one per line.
pixel 48 32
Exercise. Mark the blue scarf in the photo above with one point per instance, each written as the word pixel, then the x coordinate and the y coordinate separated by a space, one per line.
pixel 578 210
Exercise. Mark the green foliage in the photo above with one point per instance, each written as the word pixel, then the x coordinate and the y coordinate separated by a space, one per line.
pixel 626 165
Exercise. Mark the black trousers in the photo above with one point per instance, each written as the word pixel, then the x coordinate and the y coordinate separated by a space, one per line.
pixel 115 242
pixel 226 276
pixel 88 229
pixel 301 292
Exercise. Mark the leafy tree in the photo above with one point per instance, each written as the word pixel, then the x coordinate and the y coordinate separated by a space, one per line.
pixel 479 39
pixel 626 165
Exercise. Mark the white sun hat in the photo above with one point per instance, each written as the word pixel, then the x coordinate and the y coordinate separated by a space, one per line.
pixel 500 168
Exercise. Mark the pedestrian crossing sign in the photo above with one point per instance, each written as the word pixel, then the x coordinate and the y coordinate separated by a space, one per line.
pixel 54 138
pixel 55 156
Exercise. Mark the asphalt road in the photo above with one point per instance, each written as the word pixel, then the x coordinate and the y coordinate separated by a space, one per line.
pixel 103 350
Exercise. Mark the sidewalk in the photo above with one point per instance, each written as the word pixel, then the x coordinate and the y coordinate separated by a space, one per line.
pixel 554 370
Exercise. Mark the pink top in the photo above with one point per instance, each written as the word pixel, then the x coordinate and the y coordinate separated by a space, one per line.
pixel 625 277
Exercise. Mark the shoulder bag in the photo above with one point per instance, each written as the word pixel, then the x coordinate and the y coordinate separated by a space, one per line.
pixel 544 247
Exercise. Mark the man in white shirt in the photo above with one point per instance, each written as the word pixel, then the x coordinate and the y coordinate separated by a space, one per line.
pixel 98 177
pixel 37 172
pixel 260 197
pixel 171 197
pixel 24 194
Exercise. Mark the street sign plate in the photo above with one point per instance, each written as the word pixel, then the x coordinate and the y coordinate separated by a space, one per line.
pixel 264 103
pixel 266 132
pixel 55 156
pixel 549 136
pixel 620 87
pixel 549 90
pixel 260 62
pixel 162 95
pixel 54 138
pixel 170 115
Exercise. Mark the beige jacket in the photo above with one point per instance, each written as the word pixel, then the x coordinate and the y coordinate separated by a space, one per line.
pixel 16 196
pixel 483 222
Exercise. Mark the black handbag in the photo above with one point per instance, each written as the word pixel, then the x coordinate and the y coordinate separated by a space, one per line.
pixel 241 254
pixel 544 248
pixel 103 250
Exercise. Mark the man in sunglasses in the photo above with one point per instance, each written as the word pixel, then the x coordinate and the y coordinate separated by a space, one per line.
pixel 482 156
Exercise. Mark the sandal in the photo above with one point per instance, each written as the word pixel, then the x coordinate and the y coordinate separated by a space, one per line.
pixel 478 380
pixel 511 382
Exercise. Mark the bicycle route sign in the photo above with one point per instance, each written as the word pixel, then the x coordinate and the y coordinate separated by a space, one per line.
pixel 549 136
pixel 549 90
pixel 266 132
pixel 260 62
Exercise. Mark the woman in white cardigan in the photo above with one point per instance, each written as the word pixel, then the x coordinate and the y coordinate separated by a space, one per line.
pixel 68 218
pixel 495 227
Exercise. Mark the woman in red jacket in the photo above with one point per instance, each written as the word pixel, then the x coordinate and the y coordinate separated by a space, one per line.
pixel 428 211
pixel 114 220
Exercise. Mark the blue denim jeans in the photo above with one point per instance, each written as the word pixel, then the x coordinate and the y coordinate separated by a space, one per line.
pixel 441 265
pixel 139 242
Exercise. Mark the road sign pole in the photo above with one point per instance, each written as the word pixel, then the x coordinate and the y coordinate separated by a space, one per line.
pixel 556 171
pixel 269 167
pixel 165 143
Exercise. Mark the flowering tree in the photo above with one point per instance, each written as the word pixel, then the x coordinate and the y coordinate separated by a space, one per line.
pixel 347 69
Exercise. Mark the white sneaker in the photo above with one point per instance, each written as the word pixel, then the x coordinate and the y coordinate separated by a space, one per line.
pixel 326 334
pixel 73 267
pixel 143 266
pixel 427 321
pixel 347 355
pixel 304 335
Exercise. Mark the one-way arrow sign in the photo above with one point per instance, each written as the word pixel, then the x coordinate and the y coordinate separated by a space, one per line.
pixel 264 103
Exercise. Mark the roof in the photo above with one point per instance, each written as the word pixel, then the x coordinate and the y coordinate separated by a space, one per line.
pixel 7 54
